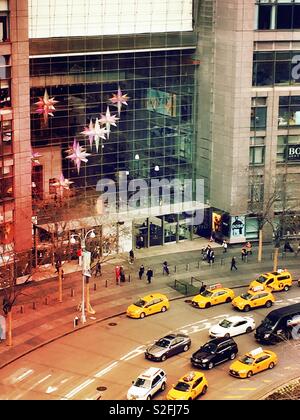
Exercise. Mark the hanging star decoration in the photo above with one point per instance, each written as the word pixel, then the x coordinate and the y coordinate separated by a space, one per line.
pixel 35 158
pixel 45 106
pixel 108 120
pixel 62 184
pixel 77 154
pixel 119 100
pixel 95 132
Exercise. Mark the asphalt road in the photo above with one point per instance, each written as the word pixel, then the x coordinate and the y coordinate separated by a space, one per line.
pixel 111 356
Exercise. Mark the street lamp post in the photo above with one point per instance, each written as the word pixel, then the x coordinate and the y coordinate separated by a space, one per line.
pixel 83 239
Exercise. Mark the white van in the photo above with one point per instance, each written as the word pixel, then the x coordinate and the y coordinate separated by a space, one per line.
pixel 147 384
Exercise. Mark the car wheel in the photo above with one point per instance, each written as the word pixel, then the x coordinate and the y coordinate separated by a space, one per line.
pixel 163 309
pixel 247 308
pixel 248 330
pixel 269 304
pixel 186 347
pixel 163 358
pixel 204 390
pixel 210 365
pixel 286 288
pixel 149 397
pixel 142 315
pixel 249 374
pixel 228 300
pixel 232 356
pixel 271 365
pixel 208 305
pixel 163 387
pixel 190 399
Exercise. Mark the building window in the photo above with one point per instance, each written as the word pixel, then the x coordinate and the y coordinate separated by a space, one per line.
pixel 276 68
pixel 6 138
pixel 4 21
pixel 278 14
pixel 289 112
pixel 258 114
pixel 257 151
pixel 282 147
pixel 256 189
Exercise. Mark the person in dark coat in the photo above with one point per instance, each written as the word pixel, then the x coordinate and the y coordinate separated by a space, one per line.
pixel 122 275
pixel 141 272
pixel 233 264
pixel 166 268
pixel 149 275
pixel 98 269
pixel 131 257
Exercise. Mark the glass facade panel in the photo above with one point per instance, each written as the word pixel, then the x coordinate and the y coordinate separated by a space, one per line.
pixel 289 112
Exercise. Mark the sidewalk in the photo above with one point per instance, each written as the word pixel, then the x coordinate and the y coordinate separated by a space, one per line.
pixel 39 319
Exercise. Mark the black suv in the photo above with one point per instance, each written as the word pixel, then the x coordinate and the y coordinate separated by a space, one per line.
pixel 214 352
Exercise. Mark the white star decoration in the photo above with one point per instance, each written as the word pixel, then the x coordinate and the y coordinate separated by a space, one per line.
pixel 108 120
pixel 119 100
pixel 77 155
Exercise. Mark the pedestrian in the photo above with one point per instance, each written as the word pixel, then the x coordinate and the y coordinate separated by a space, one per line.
pixel 57 265
pixel 298 249
pixel 141 272
pixel 149 275
pixel 212 256
pixel 98 269
pixel 233 263
pixel 166 268
pixel 202 288
pixel 249 247
pixel 287 247
pixel 122 275
pixel 117 272
pixel 131 257
pixel 203 252
pixel 244 254
pixel 225 246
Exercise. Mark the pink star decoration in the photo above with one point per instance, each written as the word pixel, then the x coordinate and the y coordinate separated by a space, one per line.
pixel 35 158
pixel 95 132
pixel 62 184
pixel 45 106
pixel 78 154
pixel 108 120
pixel 119 100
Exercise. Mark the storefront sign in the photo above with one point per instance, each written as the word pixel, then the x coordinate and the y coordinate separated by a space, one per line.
pixel 293 152
pixel 238 229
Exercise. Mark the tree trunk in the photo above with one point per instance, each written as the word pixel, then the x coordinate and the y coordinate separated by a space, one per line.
pixel 260 245
pixel 276 254
pixel 89 308
pixel 9 328
pixel 60 285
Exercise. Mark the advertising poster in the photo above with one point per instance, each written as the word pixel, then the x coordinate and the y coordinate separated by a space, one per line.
pixel 238 229
pixel 161 102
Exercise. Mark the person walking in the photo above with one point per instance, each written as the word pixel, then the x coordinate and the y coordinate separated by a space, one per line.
pixel 298 249
pixel 122 275
pixel 131 257
pixel 225 246
pixel 244 254
pixel 166 268
pixel 149 275
pixel 212 256
pixel 98 269
pixel 233 264
pixel 249 247
pixel 141 272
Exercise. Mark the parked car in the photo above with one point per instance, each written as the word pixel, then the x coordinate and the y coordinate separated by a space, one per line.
pixel 276 281
pixel 189 387
pixel 253 299
pixel 232 326
pixel 253 362
pixel 168 346
pixel 148 305
pixel 215 352
pixel 147 384
pixel 280 324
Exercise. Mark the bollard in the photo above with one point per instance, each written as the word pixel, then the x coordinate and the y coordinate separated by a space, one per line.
pixel 34 306
pixel 188 267
pixel 72 293
pixel 46 300
pixel 76 322
pixel 129 278
pixel 22 309
pixel 106 283
pixel 95 287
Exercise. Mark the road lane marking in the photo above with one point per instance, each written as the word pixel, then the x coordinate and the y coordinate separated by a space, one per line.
pixel 51 389
pixel 24 375
pixel 247 389
pixel 79 388
pixel 134 353
pixel 106 370
pixel 233 397
pixel 43 380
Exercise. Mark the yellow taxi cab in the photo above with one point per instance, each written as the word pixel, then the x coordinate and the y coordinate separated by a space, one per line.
pixel 189 387
pixel 276 281
pixel 148 305
pixel 213 295
pixel 254 299
pixel 253 362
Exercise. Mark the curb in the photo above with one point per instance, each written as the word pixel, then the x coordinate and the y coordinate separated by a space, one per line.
pixel 280 385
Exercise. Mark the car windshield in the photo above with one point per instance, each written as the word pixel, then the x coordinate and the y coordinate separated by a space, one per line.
pixel 247 360
pixel 206 293
pixel 140 303
pixel 261 279
pixel 209 348
pixel 246 296
pixel 225 323
pixel 268 323
pixel 163 343
pixel 142 383
pixel 182 386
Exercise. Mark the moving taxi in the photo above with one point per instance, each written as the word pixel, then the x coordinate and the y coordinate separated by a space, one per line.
pixel 276 281
pixel 253 362
pixel 254 299
pixel 213 295
pixel 189 387
pixel 148 305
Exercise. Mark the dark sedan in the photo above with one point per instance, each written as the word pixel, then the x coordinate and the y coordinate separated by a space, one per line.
pixel 168 346
pixel 215 352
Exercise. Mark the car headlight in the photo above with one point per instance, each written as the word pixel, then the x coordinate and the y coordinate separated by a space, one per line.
pixel 205 361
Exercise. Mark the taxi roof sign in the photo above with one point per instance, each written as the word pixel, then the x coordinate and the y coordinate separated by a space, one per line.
pixel 257 351
pixel 215 286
